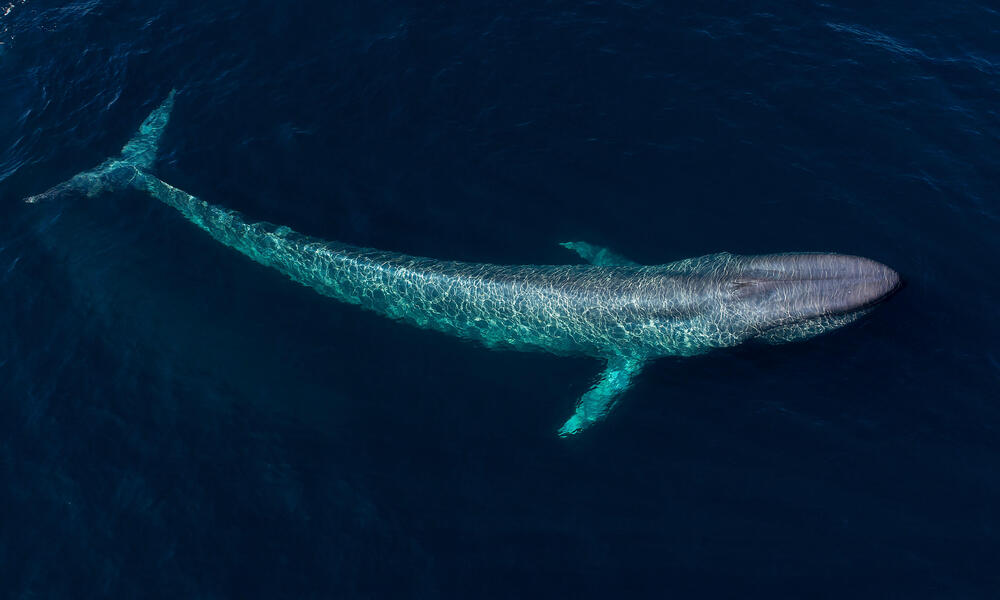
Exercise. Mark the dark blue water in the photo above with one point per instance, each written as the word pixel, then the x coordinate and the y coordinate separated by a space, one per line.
pixel 177 421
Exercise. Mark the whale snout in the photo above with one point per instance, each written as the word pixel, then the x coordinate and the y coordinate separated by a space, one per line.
pixel 879 282
pixel 845 283
pixel 810 285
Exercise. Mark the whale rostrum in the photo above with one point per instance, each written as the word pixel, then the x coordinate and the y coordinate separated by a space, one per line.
pixel 612 308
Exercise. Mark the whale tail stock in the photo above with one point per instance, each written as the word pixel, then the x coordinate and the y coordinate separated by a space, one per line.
pixel 133 168
pixel 120 172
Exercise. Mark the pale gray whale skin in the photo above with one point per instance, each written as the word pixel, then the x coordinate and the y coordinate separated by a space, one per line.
pixel 613 309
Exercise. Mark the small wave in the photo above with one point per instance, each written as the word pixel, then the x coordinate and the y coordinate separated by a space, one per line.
pixel 5 10
pixel 6 170
pixel 873 37
pixel 879 39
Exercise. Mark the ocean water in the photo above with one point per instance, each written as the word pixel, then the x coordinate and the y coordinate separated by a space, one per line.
pixel 177 421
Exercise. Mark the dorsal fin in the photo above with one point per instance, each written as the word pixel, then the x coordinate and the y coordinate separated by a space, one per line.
pixel 596 255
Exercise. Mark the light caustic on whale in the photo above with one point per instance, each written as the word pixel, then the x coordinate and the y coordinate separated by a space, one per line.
pixel 612 308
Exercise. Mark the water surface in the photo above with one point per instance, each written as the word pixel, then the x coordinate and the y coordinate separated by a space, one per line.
pixel 177 421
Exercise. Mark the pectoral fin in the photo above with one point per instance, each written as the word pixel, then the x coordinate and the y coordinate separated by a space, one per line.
pixel 598 401
pixel 598 256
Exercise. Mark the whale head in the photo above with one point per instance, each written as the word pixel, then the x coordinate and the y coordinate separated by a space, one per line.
pixel 787 297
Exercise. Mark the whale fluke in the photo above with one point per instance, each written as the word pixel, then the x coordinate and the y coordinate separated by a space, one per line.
pixel 137 156
pixel 142 149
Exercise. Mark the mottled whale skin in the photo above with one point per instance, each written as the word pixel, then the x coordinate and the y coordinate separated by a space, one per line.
pixel 612 308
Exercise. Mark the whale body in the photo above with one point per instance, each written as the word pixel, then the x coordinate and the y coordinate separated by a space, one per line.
pixel 612 308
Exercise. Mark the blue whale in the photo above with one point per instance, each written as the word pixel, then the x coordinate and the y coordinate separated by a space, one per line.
pixel 613 309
